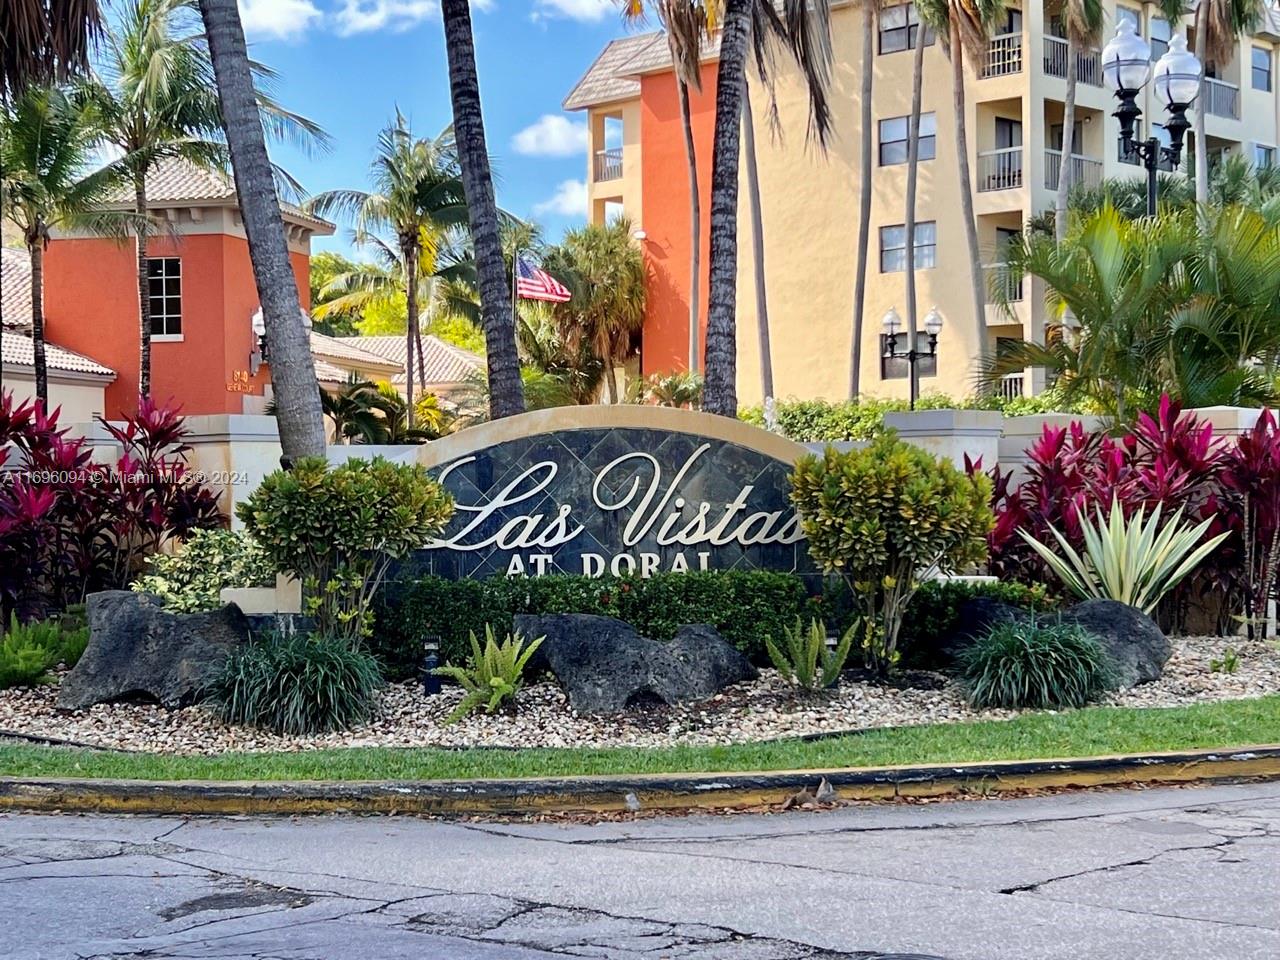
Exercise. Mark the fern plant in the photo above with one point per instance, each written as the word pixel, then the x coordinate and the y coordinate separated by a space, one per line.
pixel 1135 560
pixel 495 674
pixel 28 651
pixel 805 659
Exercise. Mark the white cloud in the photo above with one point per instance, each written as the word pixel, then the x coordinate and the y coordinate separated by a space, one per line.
pixel 551 136
pixel 278 19
pixel 363 16
pixel 569 200
pixel 592 11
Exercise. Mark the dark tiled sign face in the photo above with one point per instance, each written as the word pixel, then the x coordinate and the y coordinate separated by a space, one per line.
pixel 618 500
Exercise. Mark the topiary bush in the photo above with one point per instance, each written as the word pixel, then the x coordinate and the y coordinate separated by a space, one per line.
pixel 192 578
pixel 338 529
pixel 296 685
pixel 1026 664
pixel 882 517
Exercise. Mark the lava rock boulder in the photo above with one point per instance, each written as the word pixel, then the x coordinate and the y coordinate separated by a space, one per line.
pixel 137 649
pixel 1135 646
pixel 605 666
pixel 975 618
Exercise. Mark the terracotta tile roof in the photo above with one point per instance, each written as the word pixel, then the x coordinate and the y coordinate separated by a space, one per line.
pixel 442 361
pixel 604 80
pixel 18 350
pixel 342 349
pixel 15 288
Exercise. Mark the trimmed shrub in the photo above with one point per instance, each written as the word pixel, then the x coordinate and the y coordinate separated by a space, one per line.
pixel 494 674
pixel 804 658
pixel 1026 664
pixel 297 685
pixel 191 579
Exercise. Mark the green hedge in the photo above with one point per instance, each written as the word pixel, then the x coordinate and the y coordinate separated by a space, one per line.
pixel 745 606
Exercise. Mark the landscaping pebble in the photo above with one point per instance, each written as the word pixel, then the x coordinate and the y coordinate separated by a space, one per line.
pixel 762 709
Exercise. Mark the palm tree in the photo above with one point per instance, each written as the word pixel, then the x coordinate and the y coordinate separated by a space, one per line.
pixel 913 176
pixel 1082 20
pixel 353 411
pixel 966 27
pixel 803 28
pixel 870 12
pixel 757 241
pixel 46 146
pixel 506 395
pixel 605 272
pixel 1219 24
pixel 43 41
pixel 418 197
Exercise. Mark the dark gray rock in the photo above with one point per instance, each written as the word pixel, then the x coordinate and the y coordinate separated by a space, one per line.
pixel 975 618
pixel 605 666
pixel 138 649
pixel 1135 646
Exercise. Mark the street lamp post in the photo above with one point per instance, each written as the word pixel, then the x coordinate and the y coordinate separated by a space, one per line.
pixel 1126 68
pixel 892 324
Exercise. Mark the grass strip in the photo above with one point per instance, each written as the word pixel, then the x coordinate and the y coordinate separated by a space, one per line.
pixel 1093 731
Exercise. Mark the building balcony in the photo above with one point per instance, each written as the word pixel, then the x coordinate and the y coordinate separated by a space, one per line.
pixel 1002 285
pixel 1082 170
pixel 1220 98
pixel 1004 55
pixel 1012 386
pixel 1000 169
pixel 607 165
pixel 1088 65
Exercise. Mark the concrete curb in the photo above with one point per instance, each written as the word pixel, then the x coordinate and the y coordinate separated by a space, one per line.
pixel 608 793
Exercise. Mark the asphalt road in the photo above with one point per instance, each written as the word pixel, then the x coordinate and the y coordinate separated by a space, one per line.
pixel 1131 875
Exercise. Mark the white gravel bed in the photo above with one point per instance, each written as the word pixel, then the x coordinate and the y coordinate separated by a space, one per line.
pixel 762 710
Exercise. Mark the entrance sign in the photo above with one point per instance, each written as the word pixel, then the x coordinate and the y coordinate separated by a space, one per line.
pixel 614 489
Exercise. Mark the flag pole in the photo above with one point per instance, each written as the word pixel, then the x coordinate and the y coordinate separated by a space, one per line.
pixel 515 297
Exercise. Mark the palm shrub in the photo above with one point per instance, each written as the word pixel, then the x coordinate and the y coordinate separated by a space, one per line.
pixel 338 529
pixel 193 577
pixel 1135 559
pixel 1027 664
pixel 806 659
pixel 296 685
pixel 883 516
pixel 494 674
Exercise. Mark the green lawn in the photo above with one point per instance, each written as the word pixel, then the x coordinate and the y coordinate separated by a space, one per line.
pixel 1091 732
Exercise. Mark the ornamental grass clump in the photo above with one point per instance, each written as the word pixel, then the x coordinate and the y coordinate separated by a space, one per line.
pixel 27 652
pixel 1022 664
pixel 804 657
pixel 494 675
pixel 881 518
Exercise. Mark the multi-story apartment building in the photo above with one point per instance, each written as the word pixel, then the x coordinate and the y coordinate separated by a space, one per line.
pixel 1014 111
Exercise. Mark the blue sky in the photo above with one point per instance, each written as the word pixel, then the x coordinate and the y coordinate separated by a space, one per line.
pixel 349 63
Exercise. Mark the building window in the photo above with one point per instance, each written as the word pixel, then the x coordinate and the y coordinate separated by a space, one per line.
pixel 1160 34
pixel 893 139
pixel 893 247
pixel 1261 69
pixel 899 27
pixel 1132 15
pixel 164 277
pixel 897 368
pixel 1264 156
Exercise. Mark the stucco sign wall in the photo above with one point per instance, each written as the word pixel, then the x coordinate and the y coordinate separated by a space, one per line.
pixel 599 490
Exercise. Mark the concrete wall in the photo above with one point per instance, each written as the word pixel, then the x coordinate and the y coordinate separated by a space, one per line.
pixel 80 400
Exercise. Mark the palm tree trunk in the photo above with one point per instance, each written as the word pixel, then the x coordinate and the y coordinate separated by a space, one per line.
pixel 757 241
pixel 1202 147
pixel 695 226
pixel 966 194
pixel 144 284
pixel 913 176
pixel 1068 138
pixel 293 373
pixel 720 394
pixel 36 250
pixel 864 197
pixel 411 327
pixel 506 393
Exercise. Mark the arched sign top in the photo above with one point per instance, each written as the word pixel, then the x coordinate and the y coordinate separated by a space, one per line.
pixel 614 489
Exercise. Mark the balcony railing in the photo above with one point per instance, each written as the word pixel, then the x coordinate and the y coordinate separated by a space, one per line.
pixel 608 165
pixel 1011 386
pixel 1004 55
pixel 1088 64
pixel 1221 99
pixel 1082 170
pixel 1000 169
pixel 1002 285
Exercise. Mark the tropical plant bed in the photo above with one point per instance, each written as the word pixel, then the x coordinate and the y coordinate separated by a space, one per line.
pixel 765 709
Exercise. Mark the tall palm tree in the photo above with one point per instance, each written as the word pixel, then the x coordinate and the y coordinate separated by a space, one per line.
pixel 1082 21
pixel 1219 24
pixel 43 41
pixel 803 28
pixel 913 177
pixel 245 113
pixel 757 241
pixel 46 181
pixel 418 197
pixel 870 13
pixel 965 26
pixel 506 395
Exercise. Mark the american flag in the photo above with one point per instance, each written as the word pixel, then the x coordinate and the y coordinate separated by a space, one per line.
pixel 533 283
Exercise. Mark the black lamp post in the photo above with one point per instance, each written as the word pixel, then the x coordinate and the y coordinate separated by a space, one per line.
pixel 892 324
pixel 1126 68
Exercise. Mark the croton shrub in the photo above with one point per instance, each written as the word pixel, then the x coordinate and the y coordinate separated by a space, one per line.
pixel 70 525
